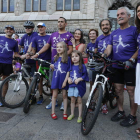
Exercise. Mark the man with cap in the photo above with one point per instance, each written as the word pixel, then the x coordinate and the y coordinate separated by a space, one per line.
pixel 8 48
pixel 26 44
pixel 37 44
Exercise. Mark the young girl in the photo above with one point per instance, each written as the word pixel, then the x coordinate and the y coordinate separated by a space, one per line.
pixel 77 84
pixel 61 65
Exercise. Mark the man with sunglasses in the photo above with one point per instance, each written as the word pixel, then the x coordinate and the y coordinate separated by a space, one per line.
pixel 37 44
pixel 27 45
pixel 61 35
pixel 8 46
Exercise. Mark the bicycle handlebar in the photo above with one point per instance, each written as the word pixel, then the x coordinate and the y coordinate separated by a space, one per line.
pixel 99 55
pixel 41 60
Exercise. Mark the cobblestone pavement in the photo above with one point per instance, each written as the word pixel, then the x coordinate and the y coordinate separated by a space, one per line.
pixel 38 125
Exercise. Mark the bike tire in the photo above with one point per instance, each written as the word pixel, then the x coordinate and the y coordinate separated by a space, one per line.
pixel 30 97
pixel 92 111
pixel 46 88
pixel 14 97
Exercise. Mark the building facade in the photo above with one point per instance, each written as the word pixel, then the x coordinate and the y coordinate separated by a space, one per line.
pixel 84 14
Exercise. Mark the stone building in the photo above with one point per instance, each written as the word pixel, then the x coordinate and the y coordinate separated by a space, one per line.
pixel 84 14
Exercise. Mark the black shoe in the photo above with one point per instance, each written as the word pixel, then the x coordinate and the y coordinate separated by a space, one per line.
pixel 118 116
pixel 129 121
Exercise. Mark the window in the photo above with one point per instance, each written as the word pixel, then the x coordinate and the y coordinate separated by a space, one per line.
pixel 35 5
pixel 43 5
pixel 66 5
pixel 7 6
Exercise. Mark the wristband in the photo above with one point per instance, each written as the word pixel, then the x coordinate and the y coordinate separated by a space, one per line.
pixel 37 54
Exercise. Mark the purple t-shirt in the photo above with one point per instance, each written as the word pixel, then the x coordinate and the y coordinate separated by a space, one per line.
pixel 124 44
pixel 25 41
pixel 59 73
pixel 7 47
pixel 75 73
pixel 138 40
pixel 91 47
pixel 18 40
pixel 102 42
pixel 18 65
pixel 38 43
pixel 56 37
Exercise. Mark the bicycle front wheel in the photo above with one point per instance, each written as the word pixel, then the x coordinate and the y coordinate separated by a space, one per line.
pixel 30 97
pixel 13 91
pixel 91 112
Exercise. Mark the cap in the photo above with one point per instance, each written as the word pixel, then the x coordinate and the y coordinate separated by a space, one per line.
pixel 9 26
pixel 41 24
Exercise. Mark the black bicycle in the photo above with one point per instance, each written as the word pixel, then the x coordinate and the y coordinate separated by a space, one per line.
pixel 102 91
pixel 43 71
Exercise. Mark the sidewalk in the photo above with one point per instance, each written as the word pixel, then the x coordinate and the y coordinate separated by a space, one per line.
pixel 38 124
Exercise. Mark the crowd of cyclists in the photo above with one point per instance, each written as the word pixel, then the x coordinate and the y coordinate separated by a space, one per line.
pixel 68 54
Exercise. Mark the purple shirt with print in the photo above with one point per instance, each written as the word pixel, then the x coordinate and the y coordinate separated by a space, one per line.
pixel 25 41
pixel 56 37
pixel 138 40
pixel 101 43
pixel 7 47
pixel 124 44
pixel 38 43
pixel 91 47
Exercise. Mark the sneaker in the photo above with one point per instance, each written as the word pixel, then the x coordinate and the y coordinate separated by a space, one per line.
pixel 1 105
pixel 129 121
pixel 104 109
pixel 118 116
pixel 49 106
pixel 40 101
pixel 62 107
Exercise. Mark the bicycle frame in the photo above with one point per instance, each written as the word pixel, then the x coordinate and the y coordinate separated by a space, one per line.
pixel 103 83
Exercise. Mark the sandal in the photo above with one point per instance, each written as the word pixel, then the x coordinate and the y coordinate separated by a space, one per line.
pixel 65 116
pixel 79 120
pixel 54 116
pixel 138 130
pixel 70 117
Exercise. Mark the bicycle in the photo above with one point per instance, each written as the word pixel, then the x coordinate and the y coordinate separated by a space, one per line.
pixel 102 90
pixel 31 94
pixel 17 88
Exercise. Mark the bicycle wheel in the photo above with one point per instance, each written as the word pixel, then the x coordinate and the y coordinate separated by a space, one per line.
pixel 16 92
pixel 46 88
pixel 30 97
pixel 91 112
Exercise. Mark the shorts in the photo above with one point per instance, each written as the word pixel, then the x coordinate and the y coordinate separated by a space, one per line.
pixel 127 77
pixel 92 75
pixel 73 91
pixel 6 69
pixel 32 69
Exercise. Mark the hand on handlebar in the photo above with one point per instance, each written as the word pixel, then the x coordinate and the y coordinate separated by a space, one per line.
pixel 128 65
pixel 34 56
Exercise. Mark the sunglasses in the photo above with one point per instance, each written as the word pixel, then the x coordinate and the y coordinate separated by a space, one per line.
pixel 40 26
pixel 28 27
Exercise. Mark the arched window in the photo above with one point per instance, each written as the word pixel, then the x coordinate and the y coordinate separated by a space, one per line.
pixel 67 5
pixel 35 5
pixel 7 6
pixel 112 13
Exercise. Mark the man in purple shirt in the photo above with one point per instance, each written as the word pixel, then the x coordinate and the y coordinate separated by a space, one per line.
pixel 8 46
pixel 27 45
pixel 123 44
pixel 100 45
pixel 37 44
pixel 61 35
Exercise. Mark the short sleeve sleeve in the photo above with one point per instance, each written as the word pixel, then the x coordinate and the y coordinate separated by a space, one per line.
pixel 85 74
pixel 69 41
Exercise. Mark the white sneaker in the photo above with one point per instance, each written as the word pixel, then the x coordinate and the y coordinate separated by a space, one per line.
pixel 62 107
pixel 49 106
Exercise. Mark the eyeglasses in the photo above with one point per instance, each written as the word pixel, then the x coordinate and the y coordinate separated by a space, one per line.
pixel 40 26
pixel 28 27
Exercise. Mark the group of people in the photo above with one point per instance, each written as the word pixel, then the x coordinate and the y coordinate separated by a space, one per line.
pixel 67 54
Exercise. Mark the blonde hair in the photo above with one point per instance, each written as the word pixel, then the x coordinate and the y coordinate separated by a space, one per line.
pixel 65 55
